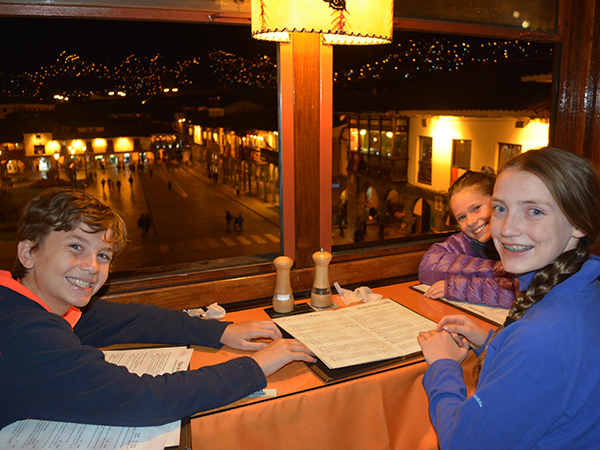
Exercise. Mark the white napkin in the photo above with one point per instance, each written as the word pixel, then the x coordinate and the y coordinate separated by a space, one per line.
pixel 361 294
pixel 214 311
pixel 194 312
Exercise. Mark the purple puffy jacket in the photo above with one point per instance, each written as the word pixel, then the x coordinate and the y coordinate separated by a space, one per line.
pixel 468 276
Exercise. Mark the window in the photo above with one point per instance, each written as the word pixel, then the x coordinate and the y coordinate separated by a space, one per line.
pixel 461 154
pixel 425 152
pixel 461 158
pixel 524 14
pixel 506 152
pixel 369 140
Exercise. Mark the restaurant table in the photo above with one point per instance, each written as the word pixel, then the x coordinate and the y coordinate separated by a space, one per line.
pixel 383 409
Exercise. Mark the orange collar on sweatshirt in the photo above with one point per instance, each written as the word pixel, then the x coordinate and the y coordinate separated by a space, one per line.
pixel 72 316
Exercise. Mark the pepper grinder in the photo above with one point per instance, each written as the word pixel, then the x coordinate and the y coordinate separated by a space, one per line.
pixel 283 299
pixel 320 295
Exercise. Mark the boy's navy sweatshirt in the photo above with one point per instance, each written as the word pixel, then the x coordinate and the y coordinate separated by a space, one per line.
pixel 51 371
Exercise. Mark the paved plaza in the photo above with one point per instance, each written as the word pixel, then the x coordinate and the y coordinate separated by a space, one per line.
pixel 187 216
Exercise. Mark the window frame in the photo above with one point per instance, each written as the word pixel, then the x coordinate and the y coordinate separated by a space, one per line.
pixel 152 279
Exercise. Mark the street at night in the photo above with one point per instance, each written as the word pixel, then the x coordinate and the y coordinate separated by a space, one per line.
pixel 187 222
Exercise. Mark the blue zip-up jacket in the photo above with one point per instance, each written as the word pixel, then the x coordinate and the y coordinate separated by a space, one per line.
pixel 50 371
pixel 539 387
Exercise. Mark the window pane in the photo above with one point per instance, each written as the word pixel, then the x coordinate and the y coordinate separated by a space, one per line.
pixel 530 15
pixel 508 151
pixel 461 154
pixel 147 129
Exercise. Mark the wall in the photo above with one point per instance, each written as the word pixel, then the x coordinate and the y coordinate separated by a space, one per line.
pixel 484 132
pixel 30 141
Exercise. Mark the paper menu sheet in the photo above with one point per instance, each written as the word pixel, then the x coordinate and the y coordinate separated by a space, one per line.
pixel 493 314
pixel 49 435
pixel 358 334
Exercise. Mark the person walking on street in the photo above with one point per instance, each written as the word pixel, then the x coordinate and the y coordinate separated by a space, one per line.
pixel 228 219
pixel 140 224
pixel 239 221
pixel 147 223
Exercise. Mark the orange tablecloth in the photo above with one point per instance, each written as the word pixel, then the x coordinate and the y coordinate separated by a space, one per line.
pixel 383 410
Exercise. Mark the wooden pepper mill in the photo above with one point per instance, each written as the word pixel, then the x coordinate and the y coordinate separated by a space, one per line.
pixel 320 295
pixel 283 299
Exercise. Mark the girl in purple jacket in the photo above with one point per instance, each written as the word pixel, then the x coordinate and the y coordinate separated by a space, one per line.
pixel 466 266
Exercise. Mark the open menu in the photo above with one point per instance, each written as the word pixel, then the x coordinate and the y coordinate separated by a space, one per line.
pixel 492 314
pixel 358 335
pixel 49 435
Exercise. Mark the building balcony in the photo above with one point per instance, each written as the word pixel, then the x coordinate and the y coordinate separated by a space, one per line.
pixel 389 168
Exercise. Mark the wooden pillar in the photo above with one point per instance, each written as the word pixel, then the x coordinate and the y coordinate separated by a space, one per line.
pixel 305 106
pixel 577 124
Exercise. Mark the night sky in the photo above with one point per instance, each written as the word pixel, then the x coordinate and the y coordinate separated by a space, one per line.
pixel 31 44
pixel 28 43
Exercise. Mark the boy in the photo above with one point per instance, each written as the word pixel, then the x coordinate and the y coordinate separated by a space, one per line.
pixel 50 365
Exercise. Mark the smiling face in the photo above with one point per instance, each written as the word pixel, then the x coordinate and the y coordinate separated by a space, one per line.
pixel 472 211
pixel 528 226
pixel 68 268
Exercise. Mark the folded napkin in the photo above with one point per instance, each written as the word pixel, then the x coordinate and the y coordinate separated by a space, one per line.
pixel 213 311
pixel 361 294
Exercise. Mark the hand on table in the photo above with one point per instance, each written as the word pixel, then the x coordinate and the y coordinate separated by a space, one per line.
pixel 242 335
pixel 281 352
pixel 442 345
pixel 461 326
pixel 436 290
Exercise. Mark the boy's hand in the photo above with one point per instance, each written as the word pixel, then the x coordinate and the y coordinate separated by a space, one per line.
pixel 242 335
pixel 281 352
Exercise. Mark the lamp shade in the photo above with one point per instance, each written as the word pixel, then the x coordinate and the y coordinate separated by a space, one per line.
pixel 346 22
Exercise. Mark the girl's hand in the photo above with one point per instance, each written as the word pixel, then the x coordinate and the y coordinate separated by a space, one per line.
pixel 243 335
pixel 460 327
pixel 436 290
pixel 441 345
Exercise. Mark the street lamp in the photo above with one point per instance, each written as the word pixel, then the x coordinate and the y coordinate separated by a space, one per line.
pixel 56 156
pixel 73 165
pixel 84 149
